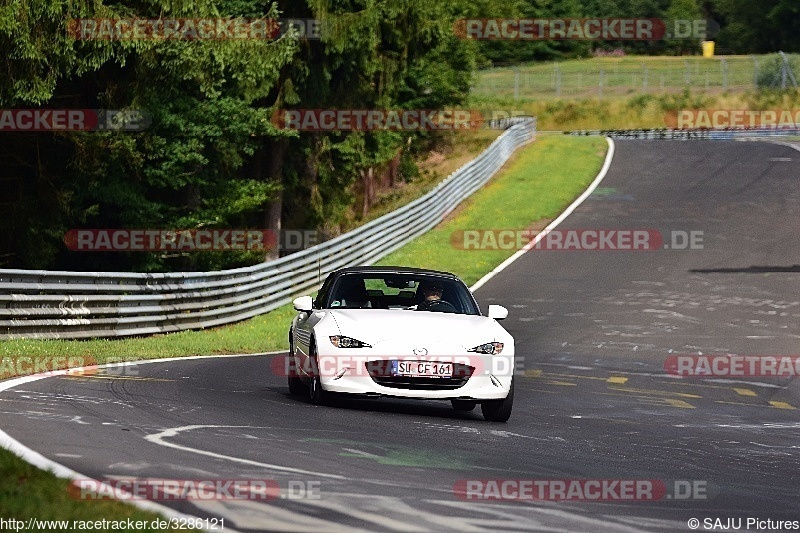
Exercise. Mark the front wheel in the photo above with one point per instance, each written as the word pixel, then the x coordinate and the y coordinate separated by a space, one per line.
pixel 316 393
pixel 499 410
pixel 296 386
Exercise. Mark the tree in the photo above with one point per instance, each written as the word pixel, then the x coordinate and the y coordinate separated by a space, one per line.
pixel 182 172
pixel 373 55
pixel 757 27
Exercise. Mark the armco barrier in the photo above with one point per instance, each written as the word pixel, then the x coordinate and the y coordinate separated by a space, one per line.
pixel 41 304
pixel 694 134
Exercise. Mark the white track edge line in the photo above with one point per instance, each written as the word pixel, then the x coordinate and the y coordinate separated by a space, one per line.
pixel 40 461
pixel 13 382
pixel 568 211
pixel 784 143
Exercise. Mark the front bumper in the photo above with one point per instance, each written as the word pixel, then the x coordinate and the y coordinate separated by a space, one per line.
pixel 476 377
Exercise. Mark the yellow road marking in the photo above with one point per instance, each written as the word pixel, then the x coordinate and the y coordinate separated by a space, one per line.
pixel 741 403
pixel 658 392
pixel 576 376
pixel 655 401
pixel 650 399
pixel 772 405
pixel 561 383
pixel 679 403
pixel 695 385
pixel 615 420
pixel 538 373
pixel 737 390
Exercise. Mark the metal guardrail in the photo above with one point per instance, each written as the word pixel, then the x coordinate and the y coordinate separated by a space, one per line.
pixel 702 134
pixel 41 304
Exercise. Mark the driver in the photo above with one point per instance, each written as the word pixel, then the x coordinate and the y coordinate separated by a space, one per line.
pixel 431 295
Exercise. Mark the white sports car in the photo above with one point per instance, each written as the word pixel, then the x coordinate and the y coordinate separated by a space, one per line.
pixel 401 332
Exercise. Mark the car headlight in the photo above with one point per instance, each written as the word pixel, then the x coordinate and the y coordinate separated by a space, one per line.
pixel 340 341
pixel 490 348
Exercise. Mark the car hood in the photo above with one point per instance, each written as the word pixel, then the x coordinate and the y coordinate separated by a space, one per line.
pixel 376 326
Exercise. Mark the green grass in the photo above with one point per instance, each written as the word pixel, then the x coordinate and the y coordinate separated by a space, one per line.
pixel 641 111
pixel 534 187
pixel 625 103
pixel 621 76
pixel 27 492
pixel 260 334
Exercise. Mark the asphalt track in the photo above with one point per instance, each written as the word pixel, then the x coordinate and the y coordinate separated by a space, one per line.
pixel 593 401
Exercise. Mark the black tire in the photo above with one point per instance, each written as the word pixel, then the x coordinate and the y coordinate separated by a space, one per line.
pixel 316 393
pixel 463 405
pixel 499 410
pixel 296 386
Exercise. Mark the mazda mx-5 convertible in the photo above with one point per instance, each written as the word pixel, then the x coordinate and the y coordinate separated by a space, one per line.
pixel 404 333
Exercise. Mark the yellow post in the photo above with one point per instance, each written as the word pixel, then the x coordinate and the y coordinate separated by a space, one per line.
pixel 708 48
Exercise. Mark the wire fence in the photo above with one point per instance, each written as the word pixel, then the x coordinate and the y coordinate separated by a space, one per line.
pixel 630 76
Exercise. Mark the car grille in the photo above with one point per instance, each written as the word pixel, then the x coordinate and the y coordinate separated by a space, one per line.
pixel 378 371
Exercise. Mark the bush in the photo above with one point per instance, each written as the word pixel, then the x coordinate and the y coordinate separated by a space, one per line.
pixel 769 74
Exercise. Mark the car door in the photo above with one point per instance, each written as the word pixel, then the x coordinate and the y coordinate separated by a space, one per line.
pixel 303 331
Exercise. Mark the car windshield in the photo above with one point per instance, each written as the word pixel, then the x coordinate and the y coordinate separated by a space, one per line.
pixel 413 292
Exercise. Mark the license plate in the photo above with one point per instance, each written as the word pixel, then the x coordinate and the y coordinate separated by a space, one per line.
pixel 429 369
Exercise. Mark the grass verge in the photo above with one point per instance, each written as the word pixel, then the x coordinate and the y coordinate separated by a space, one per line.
pixel 260 334
pixel 634 112
pixel 632 74
pixel 627 101
pixel 29 493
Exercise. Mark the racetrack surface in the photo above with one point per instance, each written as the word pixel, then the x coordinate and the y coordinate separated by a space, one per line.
pixel 593 401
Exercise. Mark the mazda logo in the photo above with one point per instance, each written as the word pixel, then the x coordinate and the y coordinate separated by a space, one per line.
pixel 420 351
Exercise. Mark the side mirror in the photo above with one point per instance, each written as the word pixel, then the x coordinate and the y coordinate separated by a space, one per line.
pixel 304 304
pixel 498 312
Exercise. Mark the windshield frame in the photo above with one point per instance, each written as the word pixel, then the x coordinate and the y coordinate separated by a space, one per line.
pixel 467 303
